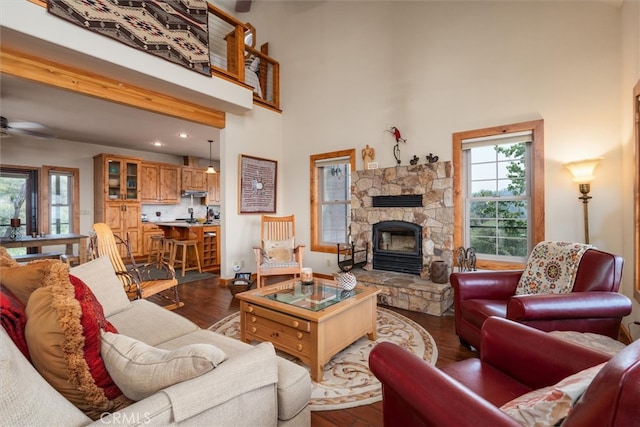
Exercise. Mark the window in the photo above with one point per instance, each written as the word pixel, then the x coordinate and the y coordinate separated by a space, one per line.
pixel 18 199
pixel 61 196
pixel 331 199
pixel 499 202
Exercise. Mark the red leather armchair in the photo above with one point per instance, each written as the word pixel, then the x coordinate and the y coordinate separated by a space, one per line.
pixel 515 360
pixel 594 305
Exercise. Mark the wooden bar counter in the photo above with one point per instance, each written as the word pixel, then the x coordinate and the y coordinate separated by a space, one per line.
pixel 207 235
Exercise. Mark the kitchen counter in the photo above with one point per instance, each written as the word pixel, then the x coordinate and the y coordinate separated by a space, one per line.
pixel 207 235
pixel 215 222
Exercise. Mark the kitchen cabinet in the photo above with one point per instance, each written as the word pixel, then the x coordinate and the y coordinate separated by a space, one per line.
pixel 210 255
pixel 116 198
pixel 124 220
pixel 160 183
pixel 193 179
pixel 213 189
pixel 118 178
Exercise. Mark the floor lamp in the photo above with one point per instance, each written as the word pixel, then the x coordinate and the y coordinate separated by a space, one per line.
pixel 582 172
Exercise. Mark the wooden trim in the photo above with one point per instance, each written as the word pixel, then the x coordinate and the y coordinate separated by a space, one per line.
pixel 22 65
pixel 537 189
pixel 636 191
pixel 43 211
pixel 313 194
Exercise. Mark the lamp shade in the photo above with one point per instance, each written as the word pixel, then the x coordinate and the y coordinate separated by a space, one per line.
pixel 211 169
pixel 582 170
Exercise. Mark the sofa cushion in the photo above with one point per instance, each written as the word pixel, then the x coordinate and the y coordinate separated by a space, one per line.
pixel 147 322
pixel 13 319
pixel 99 275
pixel 63 334
pixel 141 370
pixel 23 279
pixel 26 398
pixel 294 385
pixel 548 406
pixel 551 268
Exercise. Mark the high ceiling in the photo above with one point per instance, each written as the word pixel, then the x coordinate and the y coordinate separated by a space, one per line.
pixel 71 116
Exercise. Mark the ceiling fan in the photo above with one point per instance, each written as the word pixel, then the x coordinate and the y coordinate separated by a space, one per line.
pixel 22 128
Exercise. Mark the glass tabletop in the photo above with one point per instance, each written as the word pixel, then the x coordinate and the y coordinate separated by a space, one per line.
pixel 314 296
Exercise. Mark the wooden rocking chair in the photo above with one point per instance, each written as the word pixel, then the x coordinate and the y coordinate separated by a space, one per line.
pixel 278 254
pixel 137 279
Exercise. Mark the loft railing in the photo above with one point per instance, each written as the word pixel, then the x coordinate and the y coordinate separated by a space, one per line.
pixel 233 60
pixel 233 57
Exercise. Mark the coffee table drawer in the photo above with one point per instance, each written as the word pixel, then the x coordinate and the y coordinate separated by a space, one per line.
pixel 283 319
pixel 291 340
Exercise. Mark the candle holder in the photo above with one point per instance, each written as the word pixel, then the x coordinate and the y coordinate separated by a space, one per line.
pixel 15 229
pixel 306 276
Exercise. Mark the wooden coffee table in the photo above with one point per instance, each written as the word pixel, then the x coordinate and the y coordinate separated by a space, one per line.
pixel 311 322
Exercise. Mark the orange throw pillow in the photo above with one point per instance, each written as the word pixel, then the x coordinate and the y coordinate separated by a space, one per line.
pixel 64 321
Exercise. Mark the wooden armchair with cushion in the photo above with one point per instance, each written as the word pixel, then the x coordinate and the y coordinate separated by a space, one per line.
pixel 565 286
pixel 278 253
pixel 139 281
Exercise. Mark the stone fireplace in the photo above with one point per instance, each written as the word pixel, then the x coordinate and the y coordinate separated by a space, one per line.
pixel 404 216
pixel 377 197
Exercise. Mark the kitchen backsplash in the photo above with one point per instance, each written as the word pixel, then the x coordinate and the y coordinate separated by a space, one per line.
pixel 171 212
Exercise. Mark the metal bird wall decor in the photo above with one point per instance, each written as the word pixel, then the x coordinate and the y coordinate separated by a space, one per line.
pixel 396 149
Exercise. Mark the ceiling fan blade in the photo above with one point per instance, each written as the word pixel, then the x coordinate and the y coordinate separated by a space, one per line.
pixel 25 125
pixel 24 128
pixel 29 132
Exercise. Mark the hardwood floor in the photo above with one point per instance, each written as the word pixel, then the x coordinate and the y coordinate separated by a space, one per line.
pixel 206 302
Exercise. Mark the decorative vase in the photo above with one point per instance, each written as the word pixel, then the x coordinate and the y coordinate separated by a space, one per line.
pixel 439 272
pixel 347 281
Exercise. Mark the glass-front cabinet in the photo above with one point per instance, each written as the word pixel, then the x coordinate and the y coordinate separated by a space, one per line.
pixel 122 178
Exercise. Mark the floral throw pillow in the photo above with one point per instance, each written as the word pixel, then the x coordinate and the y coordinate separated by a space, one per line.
pixel 551 268
pixel 550 405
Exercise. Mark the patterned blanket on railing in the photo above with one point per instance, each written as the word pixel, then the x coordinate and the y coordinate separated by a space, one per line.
pixel 175 30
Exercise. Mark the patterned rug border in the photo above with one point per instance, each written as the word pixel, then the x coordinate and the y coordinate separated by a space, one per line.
pixel 321 399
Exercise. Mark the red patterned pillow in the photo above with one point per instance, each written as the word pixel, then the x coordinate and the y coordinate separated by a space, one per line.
pixel 13 319
pixel 64 320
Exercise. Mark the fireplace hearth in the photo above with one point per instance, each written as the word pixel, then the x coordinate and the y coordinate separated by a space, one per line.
pixel 397 246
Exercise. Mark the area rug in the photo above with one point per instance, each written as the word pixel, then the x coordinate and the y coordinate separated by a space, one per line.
pixel 347 381
pixel 189 276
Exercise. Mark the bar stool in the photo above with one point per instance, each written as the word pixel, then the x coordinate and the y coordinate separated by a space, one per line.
pixel 185 245
pixel 167 249
pixel 155 248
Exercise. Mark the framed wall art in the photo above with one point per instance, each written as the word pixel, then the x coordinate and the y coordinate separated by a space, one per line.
pixel 257 185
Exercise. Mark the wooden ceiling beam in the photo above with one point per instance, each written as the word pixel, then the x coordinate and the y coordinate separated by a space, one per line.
pixel 22 65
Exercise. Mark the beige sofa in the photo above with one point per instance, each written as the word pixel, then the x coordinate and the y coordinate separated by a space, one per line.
pixel 252 387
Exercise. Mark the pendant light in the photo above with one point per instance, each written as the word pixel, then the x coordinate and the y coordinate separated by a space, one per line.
pixel 210 169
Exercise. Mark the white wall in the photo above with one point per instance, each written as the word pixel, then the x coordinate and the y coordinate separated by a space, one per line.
pixel 258 134
pixel 630 77
pixel 354 69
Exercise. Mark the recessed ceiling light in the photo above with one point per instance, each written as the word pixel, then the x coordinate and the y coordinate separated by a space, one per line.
pixel 183 135
pixel 157 144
